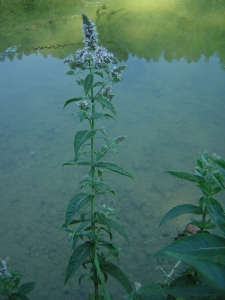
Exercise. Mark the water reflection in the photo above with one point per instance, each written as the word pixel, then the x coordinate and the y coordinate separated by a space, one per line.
pixel 150 29
pixel 170 107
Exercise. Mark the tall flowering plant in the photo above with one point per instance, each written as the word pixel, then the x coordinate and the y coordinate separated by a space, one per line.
pixel 91 226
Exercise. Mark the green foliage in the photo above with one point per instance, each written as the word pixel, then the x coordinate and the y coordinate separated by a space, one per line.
pixel 10 283
pixel 77 259
pixel 91 229
pixel 203 253
pixel 179 210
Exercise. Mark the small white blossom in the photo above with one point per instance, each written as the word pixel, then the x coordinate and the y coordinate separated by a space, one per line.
pixel 4 268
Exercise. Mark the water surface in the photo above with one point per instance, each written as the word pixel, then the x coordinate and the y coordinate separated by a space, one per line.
pixel 170 105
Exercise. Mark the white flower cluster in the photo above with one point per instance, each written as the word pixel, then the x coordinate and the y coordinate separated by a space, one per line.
pixel 4 269
pixel 99 58
pixel 92 55
pixel 83 105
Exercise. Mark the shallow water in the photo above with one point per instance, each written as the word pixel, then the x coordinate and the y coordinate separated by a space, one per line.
pixel 170 105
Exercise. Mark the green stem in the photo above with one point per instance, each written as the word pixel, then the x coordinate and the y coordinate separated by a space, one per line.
pixel 204 216
pixel 106 293
pixel 168 277
pixel 97 271
pixel 93 191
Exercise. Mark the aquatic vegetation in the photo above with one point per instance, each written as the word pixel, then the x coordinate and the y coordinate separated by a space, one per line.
pixel 201 252
pixel 91 228
pixel 9 283
pixel 89 224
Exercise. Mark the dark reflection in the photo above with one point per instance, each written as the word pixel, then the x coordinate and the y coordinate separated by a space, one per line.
pixel 186 29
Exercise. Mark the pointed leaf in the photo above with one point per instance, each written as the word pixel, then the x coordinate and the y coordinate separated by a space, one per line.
pixel 218 161
pixel 216 190
pixel 113 167
pixel 110 223
pixel 83 163
pixel 114 271
pixel 200 245
pixel 179 210
pixel 88 82
pixel 77 258
pixel 26 287
pixel 99 73
pixel 99 83
pixel 216 212
pixel 76 204
pixel 72 100
pixel 187 176
pixel 107 104
pixel 150 292
pixel 100 116
pixel 102 188
pixel 212 271
pixel 17 296
pixel 80 138
pixel 69 163
pixel 205 157
pixel 218 180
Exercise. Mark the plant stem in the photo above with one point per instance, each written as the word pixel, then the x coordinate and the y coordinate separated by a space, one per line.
pixel 93 191
pixel 168 277
pixel 106 293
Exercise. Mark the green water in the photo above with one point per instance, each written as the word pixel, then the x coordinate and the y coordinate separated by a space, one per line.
pixel 170 104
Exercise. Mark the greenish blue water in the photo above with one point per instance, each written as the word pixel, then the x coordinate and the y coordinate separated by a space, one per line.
pixel 170 105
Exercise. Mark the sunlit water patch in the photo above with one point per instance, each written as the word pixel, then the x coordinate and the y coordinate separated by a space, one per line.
pixel 170 105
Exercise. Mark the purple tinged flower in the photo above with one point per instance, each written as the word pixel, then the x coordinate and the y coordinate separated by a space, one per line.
pixel 119 139
pixel 90 33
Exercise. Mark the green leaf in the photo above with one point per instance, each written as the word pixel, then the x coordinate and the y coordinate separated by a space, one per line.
pixel 150 292
pixel 26 288
pixel 179 210
pixel 112 167
pixel 100 116
pixel 203 188
pixel 114 271
pixel 112 224
pixel 205 157
pixel 83 163
pixel 187 176
pixel 107 104
pixel 206 225
pixel 99 73
pixel 199 245
pixel 212 271
pixel 218 180
pixel 72 100
pixel 69 163
pixel 218 161
pixel 88 82
pixel 76 204
pixel 99 83
pixel 183 280
pixel 199 163
pixel 102 188
pixel 77 258
pixel 216 212
pixel 216 190
pixel 80 138
pixel 192 292
pixel 17 296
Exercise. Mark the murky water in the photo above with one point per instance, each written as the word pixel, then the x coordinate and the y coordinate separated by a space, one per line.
pixel 170 105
